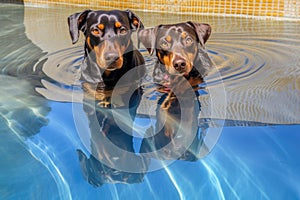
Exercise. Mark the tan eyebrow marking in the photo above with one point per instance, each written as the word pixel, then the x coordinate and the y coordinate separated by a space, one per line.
pixel 101 26
pixel 118 24
pixel 135 21
pixel 169 38
pixel 183 35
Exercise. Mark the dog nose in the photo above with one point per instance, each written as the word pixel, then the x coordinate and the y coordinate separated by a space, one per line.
pixel 179 64
pixel 110 57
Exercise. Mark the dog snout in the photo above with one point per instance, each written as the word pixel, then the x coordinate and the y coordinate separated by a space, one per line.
pixel 111 56
pixel 179 64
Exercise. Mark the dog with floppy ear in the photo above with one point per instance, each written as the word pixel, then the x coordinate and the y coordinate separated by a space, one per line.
pixel 109 50
pixel 180 49
pixel 182 63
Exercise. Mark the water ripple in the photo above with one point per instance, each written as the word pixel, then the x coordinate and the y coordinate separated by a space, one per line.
pixel 241 56
pixel 259 71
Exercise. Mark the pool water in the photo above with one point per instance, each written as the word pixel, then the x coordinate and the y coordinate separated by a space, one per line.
pixel 244 145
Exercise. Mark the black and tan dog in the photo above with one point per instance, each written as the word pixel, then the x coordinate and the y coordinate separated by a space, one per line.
pixel 109 55
pixel 182 63
pixel 109 50
pixel 180 50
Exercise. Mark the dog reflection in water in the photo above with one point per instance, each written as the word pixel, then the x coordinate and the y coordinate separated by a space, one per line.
pixel 111 143
pixel 176 133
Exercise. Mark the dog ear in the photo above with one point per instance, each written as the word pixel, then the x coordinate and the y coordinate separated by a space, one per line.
pixel 203 31
pixel 134 20
pixel 148 37
pixel 77 22
pixel 203 64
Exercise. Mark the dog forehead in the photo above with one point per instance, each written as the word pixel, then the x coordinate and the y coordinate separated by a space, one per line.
pixel 107 17
pixel 176 30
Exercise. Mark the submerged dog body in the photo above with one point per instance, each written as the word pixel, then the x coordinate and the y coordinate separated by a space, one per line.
pixel 176 134
pixel 179 48
pixel 109 50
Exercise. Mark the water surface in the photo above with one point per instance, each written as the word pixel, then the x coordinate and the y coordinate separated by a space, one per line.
pixel 251 103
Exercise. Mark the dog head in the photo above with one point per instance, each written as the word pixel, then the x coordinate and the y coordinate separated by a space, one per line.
pixel 107 35
pixel 179 47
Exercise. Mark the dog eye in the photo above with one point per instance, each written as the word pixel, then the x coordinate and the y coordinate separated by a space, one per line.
pixel 123 30
pixel 164 44
pixel 95 31
pixel 189 41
